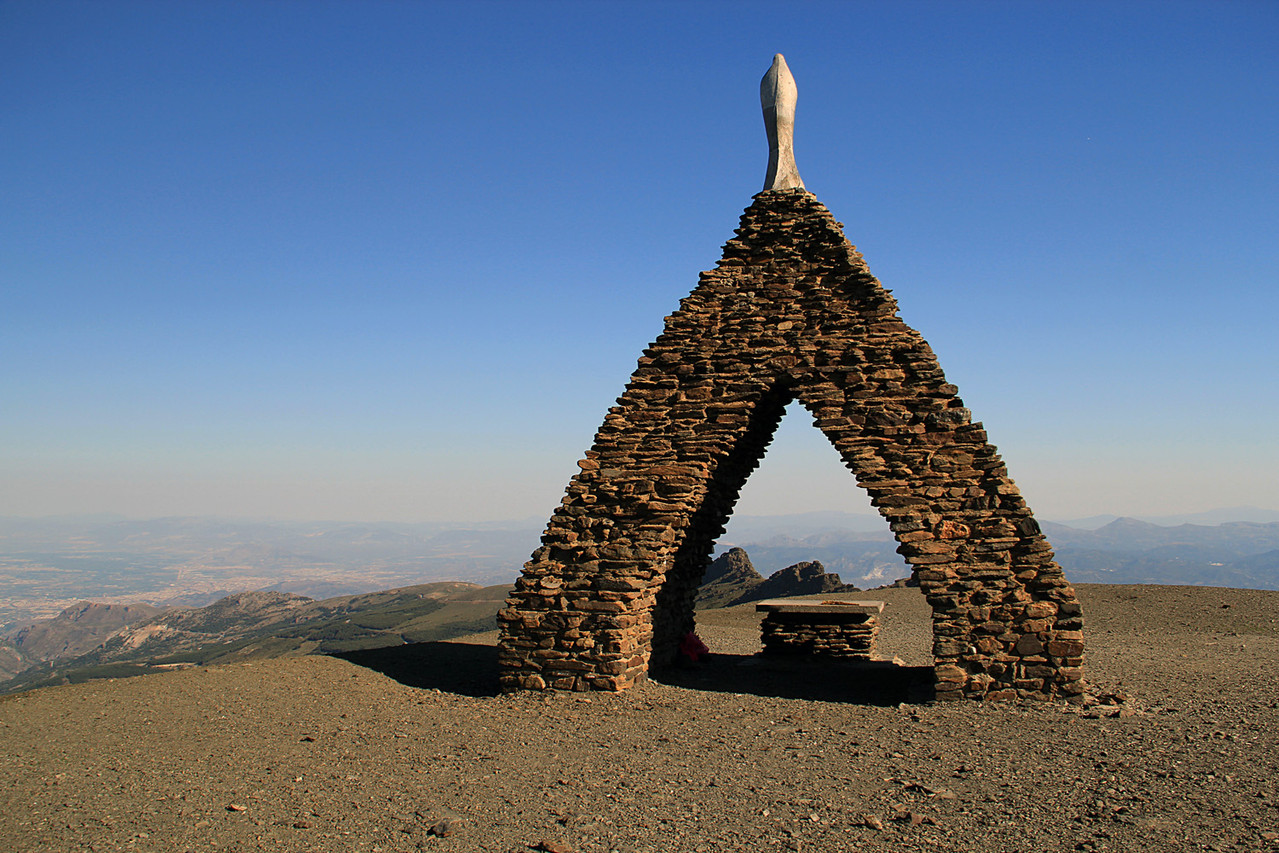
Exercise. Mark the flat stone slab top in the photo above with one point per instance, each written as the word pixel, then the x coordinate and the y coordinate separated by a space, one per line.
pixel 787 605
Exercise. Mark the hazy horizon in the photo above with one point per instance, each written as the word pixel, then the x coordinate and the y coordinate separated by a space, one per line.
pixel 395 261
pixel 868 520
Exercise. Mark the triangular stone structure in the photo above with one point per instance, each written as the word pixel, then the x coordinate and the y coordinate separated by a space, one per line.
pixel 790 313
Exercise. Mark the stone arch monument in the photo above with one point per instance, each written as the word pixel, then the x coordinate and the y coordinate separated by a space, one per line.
pixel 791 312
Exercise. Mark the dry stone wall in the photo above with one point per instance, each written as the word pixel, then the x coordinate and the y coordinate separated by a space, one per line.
pixel 842 630
pixel 791 312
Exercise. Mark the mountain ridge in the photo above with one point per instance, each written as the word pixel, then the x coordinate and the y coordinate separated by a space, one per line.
pixel 259 624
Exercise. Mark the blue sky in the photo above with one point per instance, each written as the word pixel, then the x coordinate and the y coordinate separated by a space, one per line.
pixel 393 261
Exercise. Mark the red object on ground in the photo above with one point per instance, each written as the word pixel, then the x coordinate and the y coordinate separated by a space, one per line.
pixel 693 647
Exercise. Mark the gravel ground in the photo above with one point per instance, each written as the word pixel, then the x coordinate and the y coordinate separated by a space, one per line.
pixel 409 749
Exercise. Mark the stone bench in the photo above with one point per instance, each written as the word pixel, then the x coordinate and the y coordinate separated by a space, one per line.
pixel 845 629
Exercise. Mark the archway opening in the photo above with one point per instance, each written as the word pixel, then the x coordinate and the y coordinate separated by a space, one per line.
pixel 802 505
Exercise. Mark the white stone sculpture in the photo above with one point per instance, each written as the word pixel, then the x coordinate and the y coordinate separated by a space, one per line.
pixel 777 95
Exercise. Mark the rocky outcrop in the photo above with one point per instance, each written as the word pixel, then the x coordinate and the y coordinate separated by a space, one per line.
pixel 733 565
pixel 810 578
pixel 729 577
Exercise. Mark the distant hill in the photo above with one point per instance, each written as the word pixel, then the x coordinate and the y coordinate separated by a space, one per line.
pixel 1208 517
pixel 11 662
pixel 259 624
pixel 1127 535
pixel 78 629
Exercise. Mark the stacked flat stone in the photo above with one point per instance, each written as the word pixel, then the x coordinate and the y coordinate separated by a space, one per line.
pixel 841 629
pixel 791 312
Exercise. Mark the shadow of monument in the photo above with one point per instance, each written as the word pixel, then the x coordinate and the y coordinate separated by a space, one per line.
pixel 800 677
pixel 467 669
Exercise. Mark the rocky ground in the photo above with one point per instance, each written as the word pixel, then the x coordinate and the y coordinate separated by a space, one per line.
pixel 409 749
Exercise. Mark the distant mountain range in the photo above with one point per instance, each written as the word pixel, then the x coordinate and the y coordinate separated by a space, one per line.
pixel 1242 554
pixel 48 565
pixel 1209 517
